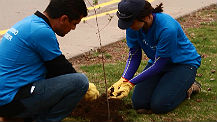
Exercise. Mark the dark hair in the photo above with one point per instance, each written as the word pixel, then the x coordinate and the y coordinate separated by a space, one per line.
pixel 148 9
pixel 74 9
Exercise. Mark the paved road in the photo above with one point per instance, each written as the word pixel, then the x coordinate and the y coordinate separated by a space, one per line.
pixel 84 38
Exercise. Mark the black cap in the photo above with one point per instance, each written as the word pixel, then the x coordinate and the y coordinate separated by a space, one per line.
pixel 128 11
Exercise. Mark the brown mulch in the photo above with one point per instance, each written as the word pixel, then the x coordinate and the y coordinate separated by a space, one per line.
pixel 113 50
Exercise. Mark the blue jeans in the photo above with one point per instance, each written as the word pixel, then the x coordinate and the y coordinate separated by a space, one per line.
pixel 53 99
pixel 164 92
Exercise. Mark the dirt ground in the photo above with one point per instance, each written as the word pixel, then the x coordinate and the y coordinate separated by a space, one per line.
pixel 96 111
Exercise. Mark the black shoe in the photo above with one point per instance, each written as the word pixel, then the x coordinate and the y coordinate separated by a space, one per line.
pixel 195 88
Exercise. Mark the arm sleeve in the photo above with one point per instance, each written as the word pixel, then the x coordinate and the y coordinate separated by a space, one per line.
pixel 133 62
pixel 156 68
pixel 58 66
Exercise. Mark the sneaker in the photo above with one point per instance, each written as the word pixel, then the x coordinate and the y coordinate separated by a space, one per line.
pixel 195 88
pixel 144 111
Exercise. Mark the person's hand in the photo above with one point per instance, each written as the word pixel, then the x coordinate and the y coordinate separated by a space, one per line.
pixel 114 88
pixel 123 91
pixel 92 93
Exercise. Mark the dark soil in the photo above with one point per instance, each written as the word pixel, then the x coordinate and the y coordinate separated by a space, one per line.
pixel 96 111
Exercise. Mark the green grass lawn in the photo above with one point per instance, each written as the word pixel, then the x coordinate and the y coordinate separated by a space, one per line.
pixel 201 107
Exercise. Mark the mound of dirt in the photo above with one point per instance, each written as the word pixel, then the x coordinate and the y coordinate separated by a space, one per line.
pixel 96 111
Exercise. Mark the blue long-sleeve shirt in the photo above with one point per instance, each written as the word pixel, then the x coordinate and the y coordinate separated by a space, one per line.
pixel 164 42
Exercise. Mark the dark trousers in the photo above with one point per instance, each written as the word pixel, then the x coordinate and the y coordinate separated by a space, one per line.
pixel 52 99
pixel 164 92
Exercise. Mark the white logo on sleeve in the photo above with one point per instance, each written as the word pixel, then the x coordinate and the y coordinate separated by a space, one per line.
pixel 10 36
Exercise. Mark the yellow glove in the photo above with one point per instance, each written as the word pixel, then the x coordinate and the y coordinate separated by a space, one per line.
pixel 115 87
pixel 92 93
pixel 123 91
